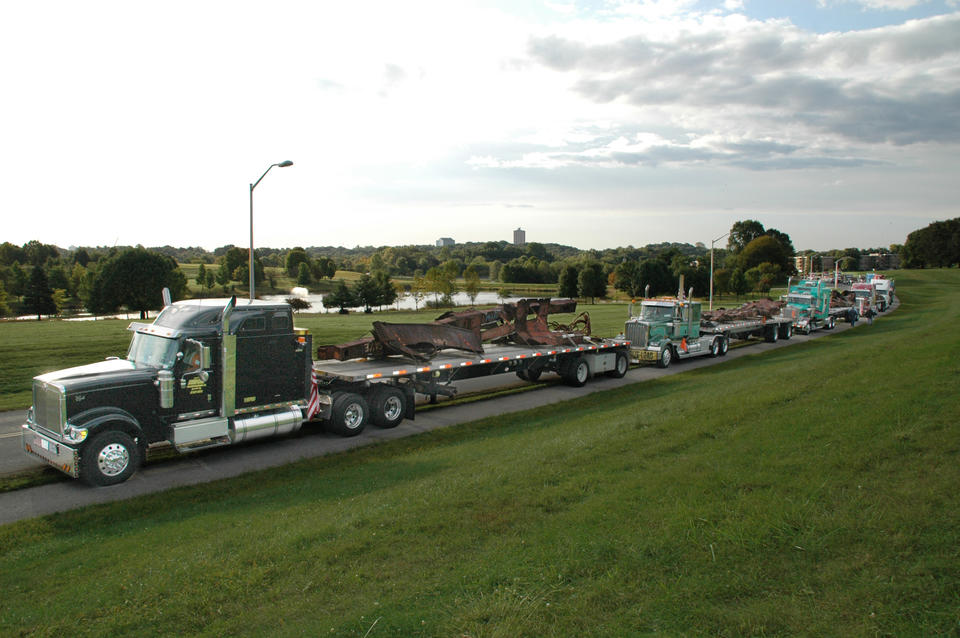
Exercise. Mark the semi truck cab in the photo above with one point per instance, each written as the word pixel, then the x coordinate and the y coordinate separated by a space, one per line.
pixel 205 373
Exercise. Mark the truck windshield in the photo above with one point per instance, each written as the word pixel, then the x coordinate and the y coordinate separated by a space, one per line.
pixel 656 313
pixel 152 350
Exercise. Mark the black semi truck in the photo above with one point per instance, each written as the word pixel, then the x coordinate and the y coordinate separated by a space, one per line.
pixel 218 372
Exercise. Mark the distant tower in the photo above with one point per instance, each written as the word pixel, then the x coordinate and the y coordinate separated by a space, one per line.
pixel 519 237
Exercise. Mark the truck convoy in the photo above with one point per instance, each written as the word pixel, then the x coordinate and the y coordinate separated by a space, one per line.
pixel 211 373
pixel 670 328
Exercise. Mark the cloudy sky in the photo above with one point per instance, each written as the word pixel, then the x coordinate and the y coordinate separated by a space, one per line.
pixel 589 123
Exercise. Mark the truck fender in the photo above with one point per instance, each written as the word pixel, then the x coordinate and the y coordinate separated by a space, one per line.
pixel 97 419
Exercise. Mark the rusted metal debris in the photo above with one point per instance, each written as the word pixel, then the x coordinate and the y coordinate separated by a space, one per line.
pixel 751 310
pixel 522 322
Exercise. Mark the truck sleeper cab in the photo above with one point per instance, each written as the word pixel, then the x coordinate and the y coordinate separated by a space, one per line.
pixel 205 373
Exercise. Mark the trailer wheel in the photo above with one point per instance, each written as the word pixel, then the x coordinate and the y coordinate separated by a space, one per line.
pixel 388 405
pixel 349 414
pixel 620 367
pixel 110 458
pixel 715 347
pixel 724 346
pixel 576 372
pixel 666 356
pixel 831 323
pixel 787 331
pixel 772 334
pixel 530 375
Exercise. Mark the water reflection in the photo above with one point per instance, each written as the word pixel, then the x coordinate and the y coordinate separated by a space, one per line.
pixel 404 302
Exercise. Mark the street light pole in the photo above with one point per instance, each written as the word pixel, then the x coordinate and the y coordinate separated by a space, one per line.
pixel 252 186
pixel 711 266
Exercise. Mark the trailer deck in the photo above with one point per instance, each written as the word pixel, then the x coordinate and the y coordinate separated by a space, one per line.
pixel 510 356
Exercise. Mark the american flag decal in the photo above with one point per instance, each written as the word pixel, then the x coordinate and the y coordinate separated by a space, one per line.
pixel 314 405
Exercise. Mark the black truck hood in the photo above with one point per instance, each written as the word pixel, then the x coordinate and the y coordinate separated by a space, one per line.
pixel 112 372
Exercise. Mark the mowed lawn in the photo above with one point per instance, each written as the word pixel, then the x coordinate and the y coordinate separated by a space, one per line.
pixel 807 491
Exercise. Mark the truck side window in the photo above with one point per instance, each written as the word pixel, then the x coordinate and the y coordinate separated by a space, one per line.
pixel 191 357
pixel 252 324
pixel 279 323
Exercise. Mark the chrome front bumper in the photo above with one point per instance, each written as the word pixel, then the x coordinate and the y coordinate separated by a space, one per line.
pixel 59 455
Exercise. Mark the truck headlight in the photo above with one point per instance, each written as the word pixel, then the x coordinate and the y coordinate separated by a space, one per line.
pixel 74 435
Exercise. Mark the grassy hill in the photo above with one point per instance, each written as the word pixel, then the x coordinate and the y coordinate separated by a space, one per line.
pixel 807 491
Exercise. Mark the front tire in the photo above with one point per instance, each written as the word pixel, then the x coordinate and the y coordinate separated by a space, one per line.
pixel 666 357
pixel 110 458
pixel 349 414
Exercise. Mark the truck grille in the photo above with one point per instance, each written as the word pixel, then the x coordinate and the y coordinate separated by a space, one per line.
pixel 637 334
pixel 49 407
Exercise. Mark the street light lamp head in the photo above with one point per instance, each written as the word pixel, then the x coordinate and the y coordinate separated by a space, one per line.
pixel 285 164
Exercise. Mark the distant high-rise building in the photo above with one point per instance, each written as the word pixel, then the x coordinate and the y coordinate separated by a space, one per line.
pixel 445 241
pixel 519 237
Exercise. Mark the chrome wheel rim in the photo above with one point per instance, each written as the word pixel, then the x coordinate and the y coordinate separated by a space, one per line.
pixel 353 416
pixel 113 459
pixel 393 408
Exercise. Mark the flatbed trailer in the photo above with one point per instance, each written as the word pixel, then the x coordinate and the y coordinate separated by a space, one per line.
pixel 383 389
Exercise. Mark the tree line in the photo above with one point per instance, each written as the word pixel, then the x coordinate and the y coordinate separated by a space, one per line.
pixel 43 279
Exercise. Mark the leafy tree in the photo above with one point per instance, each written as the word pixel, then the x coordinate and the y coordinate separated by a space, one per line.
pixel 471 283
pixel 628 279
pixel 656 274
pixel 59 300
pixel 201 278
pixel 762 276
pixel 298 303
pixel 440 282
pixel 341 297
pixel 766 249
pixel 4 308
pixel 136 278
pixel 592 281
pixel 323 267
pixel 569 282
pixel 742 233
pixel 11 254
pixel 936 245
pixel 738 283
pixel 18 279
pixel 296 257
pixel 38 297
pixel 303 274
pixel 386 292
pixel 721 280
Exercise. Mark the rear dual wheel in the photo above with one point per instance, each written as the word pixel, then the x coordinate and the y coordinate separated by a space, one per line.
pixel 349 414
pixel 388 406
pixel 576 372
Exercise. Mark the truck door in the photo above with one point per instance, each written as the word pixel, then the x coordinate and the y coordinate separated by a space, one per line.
pixel 197 390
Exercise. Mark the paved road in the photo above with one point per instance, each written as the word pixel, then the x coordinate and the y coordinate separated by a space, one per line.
pixel 312 441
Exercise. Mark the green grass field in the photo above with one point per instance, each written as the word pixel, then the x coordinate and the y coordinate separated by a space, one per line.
pixel 807 491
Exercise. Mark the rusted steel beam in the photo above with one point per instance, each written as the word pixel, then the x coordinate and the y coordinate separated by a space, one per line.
pixel 422 340
pixel 523 322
